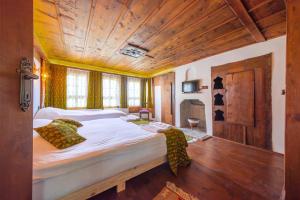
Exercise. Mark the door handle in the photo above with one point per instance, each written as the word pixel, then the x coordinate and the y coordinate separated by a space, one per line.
pixel 26 78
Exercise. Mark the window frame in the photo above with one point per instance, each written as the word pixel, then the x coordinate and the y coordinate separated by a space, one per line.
pixel 111 77
pixel 77 71
pixel 138 89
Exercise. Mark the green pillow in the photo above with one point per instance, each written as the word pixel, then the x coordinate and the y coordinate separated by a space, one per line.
pixel 60 134
pixel 70 121
pixel 66 124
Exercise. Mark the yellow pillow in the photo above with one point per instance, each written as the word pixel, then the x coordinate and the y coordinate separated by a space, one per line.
pixel 60 134
pixel 70 121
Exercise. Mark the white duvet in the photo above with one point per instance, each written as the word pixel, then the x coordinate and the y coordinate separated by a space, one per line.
pixel 80 115
pixel 105 138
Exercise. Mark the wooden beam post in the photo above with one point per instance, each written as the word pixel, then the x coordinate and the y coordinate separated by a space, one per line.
pixel 292 131
pixel 239 9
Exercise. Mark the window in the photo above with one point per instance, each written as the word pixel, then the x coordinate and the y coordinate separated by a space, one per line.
pixel 111 90
pixel 133 91
pixel 77 88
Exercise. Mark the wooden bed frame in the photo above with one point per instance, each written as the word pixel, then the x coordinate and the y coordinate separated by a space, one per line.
pixel 118 180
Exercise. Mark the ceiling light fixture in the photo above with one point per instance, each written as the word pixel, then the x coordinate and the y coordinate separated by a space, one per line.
pixel 133 51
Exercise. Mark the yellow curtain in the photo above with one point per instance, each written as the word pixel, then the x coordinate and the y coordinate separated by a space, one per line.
pixel 95 98
pixel 123 96
pixel 143 93
pixel 56 87
pixel 149 93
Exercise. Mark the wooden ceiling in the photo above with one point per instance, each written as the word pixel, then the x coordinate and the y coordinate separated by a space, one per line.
pixel 176 32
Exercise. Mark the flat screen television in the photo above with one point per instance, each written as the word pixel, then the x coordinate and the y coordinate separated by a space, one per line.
pixel 190 86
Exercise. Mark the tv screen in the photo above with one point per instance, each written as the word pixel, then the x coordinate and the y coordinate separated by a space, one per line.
pixel 190 86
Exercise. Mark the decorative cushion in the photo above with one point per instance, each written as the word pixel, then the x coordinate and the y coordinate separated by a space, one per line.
pixel 60 134
pixel 70 121
pixel 144 110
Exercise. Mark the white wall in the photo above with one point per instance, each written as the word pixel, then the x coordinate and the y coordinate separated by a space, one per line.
pixel 36 84
pixel 201 69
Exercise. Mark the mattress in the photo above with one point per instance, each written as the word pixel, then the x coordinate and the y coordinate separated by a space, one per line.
pixel 80 115
pixel 112 146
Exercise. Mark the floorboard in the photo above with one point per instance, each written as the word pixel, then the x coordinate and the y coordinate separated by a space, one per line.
pixel 220 170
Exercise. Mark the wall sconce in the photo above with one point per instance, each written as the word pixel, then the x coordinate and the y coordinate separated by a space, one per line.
pixel 44 76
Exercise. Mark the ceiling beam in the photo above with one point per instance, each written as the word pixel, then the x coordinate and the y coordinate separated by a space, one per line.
pixel 239 9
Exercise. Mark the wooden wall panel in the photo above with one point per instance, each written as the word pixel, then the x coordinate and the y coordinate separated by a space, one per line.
pixel 261 132
pixel 16 33
pixel 240 97
pixel 292 131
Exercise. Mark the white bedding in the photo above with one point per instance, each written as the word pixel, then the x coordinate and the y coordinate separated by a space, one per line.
pixel 80 115
pixel 112 146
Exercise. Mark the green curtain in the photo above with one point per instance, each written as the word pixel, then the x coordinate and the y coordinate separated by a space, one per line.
pixel 143 93
pixel 47 84
pixel 56 94
pixel 95 99
pixel 149 95
pixel 123 96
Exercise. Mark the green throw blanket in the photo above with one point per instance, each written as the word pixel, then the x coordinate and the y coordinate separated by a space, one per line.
pixel 139 121
pixel 176 149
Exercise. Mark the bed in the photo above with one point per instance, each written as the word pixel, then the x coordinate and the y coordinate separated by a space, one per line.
pixel 79 115
pixel 115 151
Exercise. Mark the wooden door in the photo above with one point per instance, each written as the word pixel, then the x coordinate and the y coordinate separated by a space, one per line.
pixel 168 98
pixel 167 85
pixel 240 98
pixel 16 33
pixel 292 131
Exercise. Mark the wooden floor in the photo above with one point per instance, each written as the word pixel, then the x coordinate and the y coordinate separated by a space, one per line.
pixel 220 170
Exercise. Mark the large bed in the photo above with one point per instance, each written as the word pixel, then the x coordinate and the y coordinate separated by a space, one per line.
pixel 80 115
pixel 115 151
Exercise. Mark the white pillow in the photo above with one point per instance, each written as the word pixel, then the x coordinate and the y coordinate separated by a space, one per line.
pixel 47 113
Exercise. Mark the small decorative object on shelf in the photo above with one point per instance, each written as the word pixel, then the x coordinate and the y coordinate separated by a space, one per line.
pixel 219 100
pixel 218 84
pixel 219 115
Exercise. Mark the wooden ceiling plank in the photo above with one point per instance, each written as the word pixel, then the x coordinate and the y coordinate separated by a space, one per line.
pixel 159 19
pixel 106 15
pixel 241 12
pixel 206 39
pixel 196 14
pixel 236 43
pixel 275 30
pixel 259 5
pixel 203 37
pixel 211 21
pixel 113 60
pixel 76 17
pixel 268 9
pixel 136 15
pixel 46 27
pixel 224 39
pixel 270 20
pixel 175 31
